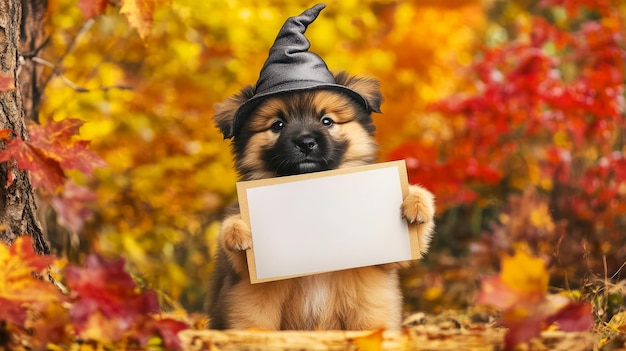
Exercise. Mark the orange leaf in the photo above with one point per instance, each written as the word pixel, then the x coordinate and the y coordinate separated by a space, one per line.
pixel 17 284
pixel 523 281
pixel 6 83
pixel 139 14
pixel 6 134
pixel 373 341
pixel 92 8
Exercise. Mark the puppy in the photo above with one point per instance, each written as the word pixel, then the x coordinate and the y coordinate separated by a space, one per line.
pixel 294 132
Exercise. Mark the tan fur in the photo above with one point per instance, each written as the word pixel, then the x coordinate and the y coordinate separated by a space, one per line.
pixel 354 299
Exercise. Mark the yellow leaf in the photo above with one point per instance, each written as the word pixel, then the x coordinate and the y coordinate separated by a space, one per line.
pixel 17 283
pixel 370 342
pixel 618 322
pixel 140 14
pixel 525 273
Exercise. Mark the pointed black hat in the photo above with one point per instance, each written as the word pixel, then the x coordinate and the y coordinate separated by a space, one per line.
pixel 291 67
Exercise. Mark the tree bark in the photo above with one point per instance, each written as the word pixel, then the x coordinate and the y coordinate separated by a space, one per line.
pixel 33 40
pixel 18 210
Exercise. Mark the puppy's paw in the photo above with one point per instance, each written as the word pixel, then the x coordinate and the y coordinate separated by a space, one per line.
pixel 235 234
pixel 419 208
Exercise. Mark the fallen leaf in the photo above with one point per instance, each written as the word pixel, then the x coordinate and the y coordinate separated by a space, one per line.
pixel 520 293
pixel 574 316
pixel 618 322
pixel 109 306
pixel 525 274
pixel 371 342
pixel 168 329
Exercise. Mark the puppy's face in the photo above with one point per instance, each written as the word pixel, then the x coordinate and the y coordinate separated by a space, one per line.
pixel 301 132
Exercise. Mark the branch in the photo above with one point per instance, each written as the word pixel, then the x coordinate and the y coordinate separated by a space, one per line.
pixel 73 85
pixel 83 29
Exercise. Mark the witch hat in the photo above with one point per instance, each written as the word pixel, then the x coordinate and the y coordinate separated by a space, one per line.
pixel 291 67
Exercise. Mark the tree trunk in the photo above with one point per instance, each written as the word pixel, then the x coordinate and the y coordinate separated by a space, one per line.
pixel 33 40
pixel 18 210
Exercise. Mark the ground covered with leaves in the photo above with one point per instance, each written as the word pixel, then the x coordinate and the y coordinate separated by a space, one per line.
pixel 49 305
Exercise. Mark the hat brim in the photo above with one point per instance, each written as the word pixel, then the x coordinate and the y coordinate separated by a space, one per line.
pixel 248 107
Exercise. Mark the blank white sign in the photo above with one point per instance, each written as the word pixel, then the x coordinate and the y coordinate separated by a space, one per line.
pixel 327 221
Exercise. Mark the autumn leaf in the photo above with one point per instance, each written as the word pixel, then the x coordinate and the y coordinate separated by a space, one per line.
pixel 140 14
pixel 525 274
pixel 49 151
pixel 92 8
pixel 109 304
pixel 6 83
pixel 18 263
pixel 168 329
pixel 54 140
pixel 107 288
pixel 71 206
pixel 520 292
pixel 373 341
pixel 27 302
pixel 45 172
pixel 574 316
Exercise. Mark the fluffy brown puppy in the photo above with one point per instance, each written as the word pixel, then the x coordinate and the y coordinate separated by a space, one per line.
pixel 298 132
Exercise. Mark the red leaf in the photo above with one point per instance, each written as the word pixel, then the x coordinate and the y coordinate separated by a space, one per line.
pixel 494 292
pixel 168 330
pixel 104 287
pixel 521 330
pixel 71 207
pixel 45 172
pixel 55 140
pixel 12 312
pixel 92 8
pixel 49 151
pixel 573 317
pixel 25 298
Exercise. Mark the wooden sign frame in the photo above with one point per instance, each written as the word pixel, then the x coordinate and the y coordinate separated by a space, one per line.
pixel 327 221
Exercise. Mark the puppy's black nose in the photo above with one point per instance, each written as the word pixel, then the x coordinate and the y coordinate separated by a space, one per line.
pixel 306 144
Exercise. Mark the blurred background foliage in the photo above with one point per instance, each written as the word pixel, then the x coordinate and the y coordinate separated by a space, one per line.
pixel 466 104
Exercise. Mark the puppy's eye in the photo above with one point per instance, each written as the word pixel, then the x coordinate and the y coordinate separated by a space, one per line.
pixel 278 126
pixel 327 121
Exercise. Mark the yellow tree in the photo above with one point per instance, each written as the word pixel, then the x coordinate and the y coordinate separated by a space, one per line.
pixel 147 95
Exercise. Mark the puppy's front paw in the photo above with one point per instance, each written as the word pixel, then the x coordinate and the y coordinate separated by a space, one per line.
pixel 419 208
pixel 236 235
pixel 419 205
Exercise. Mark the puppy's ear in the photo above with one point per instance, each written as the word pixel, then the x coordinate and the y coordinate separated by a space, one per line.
pixel 224 114
pixel 368 88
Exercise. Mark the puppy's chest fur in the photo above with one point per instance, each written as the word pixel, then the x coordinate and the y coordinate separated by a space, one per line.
pixel 310 300
pixel 351 299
